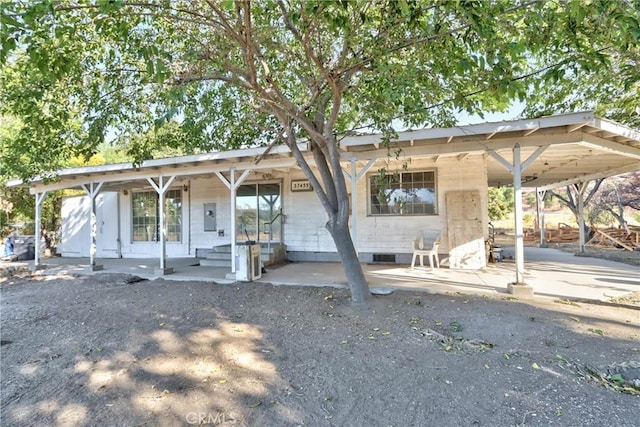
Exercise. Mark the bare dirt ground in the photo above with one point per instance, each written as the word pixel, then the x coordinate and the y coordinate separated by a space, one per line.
pixel 109 350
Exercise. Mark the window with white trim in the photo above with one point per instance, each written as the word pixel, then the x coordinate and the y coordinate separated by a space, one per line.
pixel 145 216
pixel 406 193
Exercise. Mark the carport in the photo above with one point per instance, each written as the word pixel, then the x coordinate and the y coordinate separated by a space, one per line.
pixel 542 153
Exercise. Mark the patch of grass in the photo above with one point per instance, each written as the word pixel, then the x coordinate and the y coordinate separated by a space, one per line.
pixel 566 302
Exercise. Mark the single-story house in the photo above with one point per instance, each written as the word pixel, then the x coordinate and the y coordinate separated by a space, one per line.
pixel 214 200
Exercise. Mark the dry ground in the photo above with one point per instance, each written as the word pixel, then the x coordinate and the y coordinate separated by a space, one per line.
pixel 107 350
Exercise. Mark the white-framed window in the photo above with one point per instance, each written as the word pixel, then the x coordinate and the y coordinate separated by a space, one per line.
pixel 145 216
pixel 405 193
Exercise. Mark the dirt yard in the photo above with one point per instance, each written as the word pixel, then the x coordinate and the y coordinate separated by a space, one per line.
pixel 107 350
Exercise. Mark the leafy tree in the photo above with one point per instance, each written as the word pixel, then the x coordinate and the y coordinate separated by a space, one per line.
pixel 243 73
pixel 615 195
pixel 16 204
pixel 613 95
pixel 500 202
pixel 569 196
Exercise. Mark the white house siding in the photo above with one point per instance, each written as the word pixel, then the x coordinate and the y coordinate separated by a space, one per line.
pixel 210 190
pixel 394 234
pixel 74 234
pixel 75 237
pixel 305 233
pixel 304 225
pixel 304 230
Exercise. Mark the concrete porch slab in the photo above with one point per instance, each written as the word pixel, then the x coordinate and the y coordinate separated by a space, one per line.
pixel 550 273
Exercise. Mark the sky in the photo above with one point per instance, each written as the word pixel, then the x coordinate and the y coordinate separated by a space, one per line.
pixel 512 114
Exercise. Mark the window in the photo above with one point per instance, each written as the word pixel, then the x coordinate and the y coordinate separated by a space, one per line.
pixel 173 215
pixel 407 193
pixel 145 215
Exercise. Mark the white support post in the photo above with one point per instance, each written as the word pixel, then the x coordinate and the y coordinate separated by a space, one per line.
pixel 543 238
pixel 92 191
pixel 517 214
pixel 232 184
pixel 161 188
pixel 581 187
pixel 38 237
pixel 519 287
pixel 355 176
pixel 232 192
pixel 163 244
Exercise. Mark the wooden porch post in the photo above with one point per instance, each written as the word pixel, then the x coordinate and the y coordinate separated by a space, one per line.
pixel 540 197
pixel 518 287
pixel 38 231
pixel 232 184
pixel 161 188
pixel 93 191
pixel 355 176
pixel 580 188
pixel 517 215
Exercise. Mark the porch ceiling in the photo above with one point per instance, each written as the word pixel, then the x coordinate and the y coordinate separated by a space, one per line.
pixel 579 147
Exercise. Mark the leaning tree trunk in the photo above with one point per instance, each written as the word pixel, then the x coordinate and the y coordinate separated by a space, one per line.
pixel 358 286
pixel 335 201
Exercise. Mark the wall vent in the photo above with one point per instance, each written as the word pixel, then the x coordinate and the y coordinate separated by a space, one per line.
pixel 387 258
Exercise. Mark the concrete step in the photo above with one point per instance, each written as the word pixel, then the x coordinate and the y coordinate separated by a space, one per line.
pixel 220 256
pixel 215 263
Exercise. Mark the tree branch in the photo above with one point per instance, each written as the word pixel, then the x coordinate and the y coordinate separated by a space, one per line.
pixel 413 42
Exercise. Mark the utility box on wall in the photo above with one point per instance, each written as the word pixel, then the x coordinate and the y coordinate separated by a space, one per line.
pixel 209 217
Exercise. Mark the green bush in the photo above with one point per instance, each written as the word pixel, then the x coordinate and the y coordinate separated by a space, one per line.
pixel 528 218
pixel 500 202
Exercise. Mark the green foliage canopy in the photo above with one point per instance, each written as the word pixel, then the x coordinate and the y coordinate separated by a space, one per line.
pixel 235 74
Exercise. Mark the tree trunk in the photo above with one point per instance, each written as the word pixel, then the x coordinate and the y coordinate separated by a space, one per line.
pixel 335 201
pixel 358 286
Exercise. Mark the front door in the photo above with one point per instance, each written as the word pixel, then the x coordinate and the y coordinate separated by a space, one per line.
pixel 108 227
pixel 259 212
pixel 465 230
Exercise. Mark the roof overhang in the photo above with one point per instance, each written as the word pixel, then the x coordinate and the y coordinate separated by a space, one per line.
pixel 578 147
pixel 127 175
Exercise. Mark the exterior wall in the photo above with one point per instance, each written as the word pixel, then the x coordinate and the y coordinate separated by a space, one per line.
pixel 304 228
pixel 210 190
pixel 75 236
pixel 395 234
pixel 304 231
